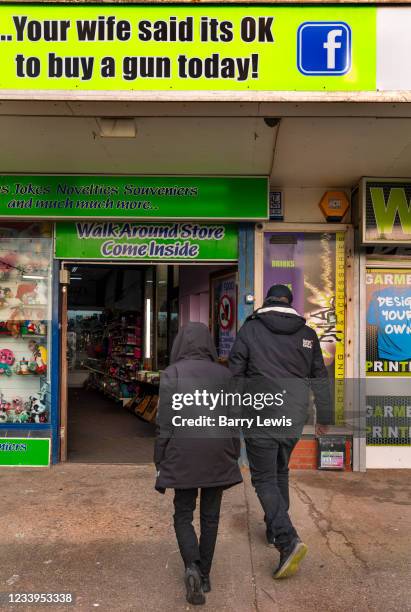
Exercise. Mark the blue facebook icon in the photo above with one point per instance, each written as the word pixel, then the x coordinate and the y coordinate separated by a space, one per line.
pixel 324 48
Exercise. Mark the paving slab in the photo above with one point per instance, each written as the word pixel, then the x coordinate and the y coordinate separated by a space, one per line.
pixel 357 528
pixel 103 533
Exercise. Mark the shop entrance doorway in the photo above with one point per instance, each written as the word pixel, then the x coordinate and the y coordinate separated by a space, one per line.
pixel 118 323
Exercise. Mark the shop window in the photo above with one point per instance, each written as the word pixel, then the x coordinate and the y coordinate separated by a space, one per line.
pixel 25 314
pixel 388 356
pixel 313 266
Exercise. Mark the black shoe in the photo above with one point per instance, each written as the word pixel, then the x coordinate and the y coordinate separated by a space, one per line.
pixel 192 580
pixel 290 559
pixel 205 582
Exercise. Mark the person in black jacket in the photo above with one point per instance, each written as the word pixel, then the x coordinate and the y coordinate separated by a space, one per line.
pixel 193 457
pixel 276 351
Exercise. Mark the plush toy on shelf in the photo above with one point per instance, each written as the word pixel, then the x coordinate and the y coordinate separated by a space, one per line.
pixel 27 293
pixel 7 359
pixel 29 327
pixel 23 417
pixel 17 404
pixel 22 368
pixel 5 294
pixel 37 407
pixel 38 365
pixel 13 324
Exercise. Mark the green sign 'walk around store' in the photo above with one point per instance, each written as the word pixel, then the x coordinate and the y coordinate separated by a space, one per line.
pixel 134 241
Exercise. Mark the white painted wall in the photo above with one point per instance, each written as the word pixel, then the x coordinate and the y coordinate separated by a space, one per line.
pixel 388 457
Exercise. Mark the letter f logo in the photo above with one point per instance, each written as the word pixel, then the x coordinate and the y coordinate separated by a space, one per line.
pixel 331 45
pixel 324 48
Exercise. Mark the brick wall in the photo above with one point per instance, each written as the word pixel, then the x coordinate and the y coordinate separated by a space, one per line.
pixel 304 456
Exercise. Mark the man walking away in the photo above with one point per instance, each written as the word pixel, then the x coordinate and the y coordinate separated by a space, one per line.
pixel 275 350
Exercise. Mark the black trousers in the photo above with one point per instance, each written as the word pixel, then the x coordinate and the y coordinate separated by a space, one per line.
pixel 193 551
pixel 268 460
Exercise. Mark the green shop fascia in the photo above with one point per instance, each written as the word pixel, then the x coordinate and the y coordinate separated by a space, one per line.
pixel 133 219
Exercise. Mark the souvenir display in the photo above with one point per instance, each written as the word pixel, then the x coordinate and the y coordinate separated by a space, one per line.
pixel 25 265
pixel 17 410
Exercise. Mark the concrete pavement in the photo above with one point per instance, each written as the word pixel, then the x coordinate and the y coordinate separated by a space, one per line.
pixel 104 534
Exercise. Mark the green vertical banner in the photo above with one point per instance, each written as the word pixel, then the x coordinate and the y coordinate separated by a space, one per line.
pixel 34 452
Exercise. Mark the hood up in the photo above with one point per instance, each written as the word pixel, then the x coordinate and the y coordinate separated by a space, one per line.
pixel 193 341
pixel 279 319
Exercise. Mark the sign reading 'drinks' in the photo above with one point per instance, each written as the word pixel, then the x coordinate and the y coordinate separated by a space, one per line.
pixel 130 197
pixel 386 210
pixel 123 240
pixel 80 47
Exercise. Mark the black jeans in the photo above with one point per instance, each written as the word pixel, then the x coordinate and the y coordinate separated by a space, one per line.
pixel 268 460
pixel 184 506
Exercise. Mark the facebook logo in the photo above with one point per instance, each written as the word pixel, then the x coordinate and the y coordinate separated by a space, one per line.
pixel 324 48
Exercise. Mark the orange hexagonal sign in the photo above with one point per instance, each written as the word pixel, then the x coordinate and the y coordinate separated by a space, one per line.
pixel 334 205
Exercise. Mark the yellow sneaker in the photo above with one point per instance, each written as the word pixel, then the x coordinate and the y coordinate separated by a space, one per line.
pixel 290 559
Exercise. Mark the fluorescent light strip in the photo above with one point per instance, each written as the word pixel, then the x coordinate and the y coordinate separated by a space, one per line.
pixel 32 277
pixel 147 351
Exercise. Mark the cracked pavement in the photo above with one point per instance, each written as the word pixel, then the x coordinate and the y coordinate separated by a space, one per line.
pixel 103 533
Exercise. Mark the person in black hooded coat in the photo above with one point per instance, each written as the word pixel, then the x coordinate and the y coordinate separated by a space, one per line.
pixel 189 458
pixel 275 351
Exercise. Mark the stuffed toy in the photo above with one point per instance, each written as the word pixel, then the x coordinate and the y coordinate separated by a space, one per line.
pixel 26 293
pixel 3 328
pixel 22 367
pixel 13 324
pixel 39 363
pixel 42 328
pixel 5 293
pixel 29 327
pixel 17 404
pixel 6 361
pixel 23 417
pixel 12 417
pixel 38 408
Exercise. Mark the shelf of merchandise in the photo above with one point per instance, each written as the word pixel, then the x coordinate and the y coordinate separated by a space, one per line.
pixel 28 336
pixel 107 375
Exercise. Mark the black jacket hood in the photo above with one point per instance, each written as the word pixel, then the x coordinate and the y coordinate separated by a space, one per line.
pixel 193 341
pixel 279 318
